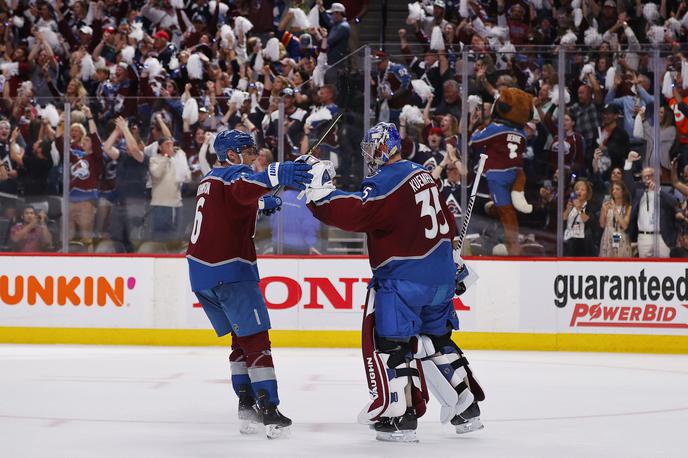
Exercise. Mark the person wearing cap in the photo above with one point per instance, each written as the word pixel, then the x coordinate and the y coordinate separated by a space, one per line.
pixel 614 141
pixel 608 16
pixel 627 94
pixel 338 32
pixel 81 34
pixel 437 19
pixel 393 83
pixel 165 49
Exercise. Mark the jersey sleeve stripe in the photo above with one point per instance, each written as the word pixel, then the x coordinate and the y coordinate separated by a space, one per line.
pixel 220 263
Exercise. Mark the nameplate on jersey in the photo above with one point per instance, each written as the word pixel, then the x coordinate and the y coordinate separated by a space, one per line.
pixel 421 180
pixel 203 188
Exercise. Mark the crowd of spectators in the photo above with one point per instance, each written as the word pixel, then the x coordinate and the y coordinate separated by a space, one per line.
pixel 149 83
pixel 609 178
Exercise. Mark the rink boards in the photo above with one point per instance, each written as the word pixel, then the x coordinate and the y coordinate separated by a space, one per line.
pixel 520 304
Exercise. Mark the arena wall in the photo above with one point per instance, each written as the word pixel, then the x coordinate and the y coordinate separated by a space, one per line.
pixel 522 304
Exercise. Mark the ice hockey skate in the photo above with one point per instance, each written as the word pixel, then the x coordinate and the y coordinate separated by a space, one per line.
pixel 276 425
pixel 468 421
pixel 250 418
pixel 397 429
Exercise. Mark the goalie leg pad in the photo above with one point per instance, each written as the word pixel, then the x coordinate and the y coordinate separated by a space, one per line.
pixel 445 383
pixel 388 372
pixel 458 361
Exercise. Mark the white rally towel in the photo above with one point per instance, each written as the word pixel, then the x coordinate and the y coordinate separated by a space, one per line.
pixel 50 113
pixel 423 89
pixel 651 12
pixel 314 17
pixel 587 69
pixel 127 54
pixel 569 38
pixel 86 68
pixel 684 74
pixel 592 37
pixel 153 66
pixel 609 78
pixel 667 86
pixel 194 66
pixel 416 13
pixel 190 112
pixel 136 31
pixel 223 8
pixel 300 19
pixel 436 39
pixel 242 25
pixel 320 69
pixel 272 51
pixel 227 38
pixel 412 114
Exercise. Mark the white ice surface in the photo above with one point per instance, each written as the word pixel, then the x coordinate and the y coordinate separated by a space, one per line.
pixel 98 402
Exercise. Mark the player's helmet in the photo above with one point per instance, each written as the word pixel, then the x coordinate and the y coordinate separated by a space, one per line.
pixel 379 144
pixel 234 140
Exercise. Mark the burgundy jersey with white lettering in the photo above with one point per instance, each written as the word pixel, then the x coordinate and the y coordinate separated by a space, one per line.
pixel 503 144
pixel 221 248
pixel 408 232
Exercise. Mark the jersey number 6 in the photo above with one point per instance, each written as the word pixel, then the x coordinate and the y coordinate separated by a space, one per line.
pixel 198 220
pixel 431 209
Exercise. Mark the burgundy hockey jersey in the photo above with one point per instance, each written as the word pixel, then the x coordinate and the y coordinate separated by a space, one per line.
pixel 503 144
pixel 221 248
pixel 400 209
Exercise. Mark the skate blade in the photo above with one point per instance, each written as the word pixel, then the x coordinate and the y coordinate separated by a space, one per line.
pixel 473 424
pixel 277 432
pixel 398 436
pixel 250 427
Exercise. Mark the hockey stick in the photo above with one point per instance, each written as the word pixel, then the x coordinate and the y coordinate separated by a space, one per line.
pixel 280 188
pixel 471 202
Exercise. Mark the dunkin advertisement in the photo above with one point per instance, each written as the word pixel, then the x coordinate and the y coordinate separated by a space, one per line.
pixel 328 293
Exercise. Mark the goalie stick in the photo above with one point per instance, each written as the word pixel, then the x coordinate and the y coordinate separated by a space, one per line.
pixel 471 202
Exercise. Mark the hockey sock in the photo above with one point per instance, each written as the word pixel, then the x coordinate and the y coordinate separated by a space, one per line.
pixel 261 370
pixel 237 366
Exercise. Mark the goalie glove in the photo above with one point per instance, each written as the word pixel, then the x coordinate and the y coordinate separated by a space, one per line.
pixel 321 185
pixel 267 205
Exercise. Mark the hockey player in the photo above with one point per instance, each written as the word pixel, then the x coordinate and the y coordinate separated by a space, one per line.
pixel 409 310
pixel 223 271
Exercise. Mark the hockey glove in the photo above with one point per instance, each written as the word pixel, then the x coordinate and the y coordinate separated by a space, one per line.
pixel 321 186
pixel 290 174
pixel 464 276
pixel 267 205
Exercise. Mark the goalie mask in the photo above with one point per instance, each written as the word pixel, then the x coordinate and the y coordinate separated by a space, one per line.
pixel 380 143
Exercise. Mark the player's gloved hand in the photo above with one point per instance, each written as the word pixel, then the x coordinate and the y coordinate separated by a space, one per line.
pixel 465 276
pixel 321 186
pixel 267 205
pixel 291 174
pixel 308 159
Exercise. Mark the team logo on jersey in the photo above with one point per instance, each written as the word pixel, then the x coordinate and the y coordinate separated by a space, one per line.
pixel 81 169
pixel 453 206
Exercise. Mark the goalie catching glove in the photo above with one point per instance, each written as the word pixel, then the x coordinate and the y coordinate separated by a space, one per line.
pixel 321 185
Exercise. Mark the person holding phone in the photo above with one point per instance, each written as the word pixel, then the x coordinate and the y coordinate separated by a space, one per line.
pixel 31 234
pixel 576 215
pixel 615 217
